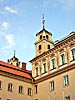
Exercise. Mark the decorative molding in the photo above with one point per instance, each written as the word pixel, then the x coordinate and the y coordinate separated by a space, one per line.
pixel 56 73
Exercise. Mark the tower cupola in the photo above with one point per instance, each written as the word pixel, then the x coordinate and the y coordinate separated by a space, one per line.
pixel 43 40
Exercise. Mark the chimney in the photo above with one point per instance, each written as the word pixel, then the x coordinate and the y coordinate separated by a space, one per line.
pixel 24 66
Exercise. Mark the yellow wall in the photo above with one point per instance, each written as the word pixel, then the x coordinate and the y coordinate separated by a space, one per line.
pixel 14 95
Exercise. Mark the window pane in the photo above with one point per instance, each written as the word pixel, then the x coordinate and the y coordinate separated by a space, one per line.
pixel 66 80
pixel 48 46
pixel 20 89
pixel 53 63
pixel 35 88
pixel 73 54
pixel 44 67
pixel 41 37
pixel 40 47
pixel 0 84
pixel 51 85
pixel 10 87
pixel 63 59
pixel 46 36
pixel 29 91
pixel 37 71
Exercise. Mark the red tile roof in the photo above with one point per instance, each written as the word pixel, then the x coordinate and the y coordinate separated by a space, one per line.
pixel 5 67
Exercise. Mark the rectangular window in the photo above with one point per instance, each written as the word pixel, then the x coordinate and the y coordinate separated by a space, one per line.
pixel 37 71
pixel 36 89
pixel 44 65
pixel 63 59
pixel 53 64
pixel 73 54
pixel 51 85
pixel 67 98
pixel 66 80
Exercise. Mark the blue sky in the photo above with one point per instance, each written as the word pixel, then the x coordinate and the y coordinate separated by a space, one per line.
pixel 20 20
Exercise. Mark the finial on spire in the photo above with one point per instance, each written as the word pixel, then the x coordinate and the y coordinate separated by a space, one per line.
pixel 43 21
pixel 14 53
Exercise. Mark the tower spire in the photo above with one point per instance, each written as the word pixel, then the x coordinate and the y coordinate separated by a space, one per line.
pixel 14 53
pixel 43 22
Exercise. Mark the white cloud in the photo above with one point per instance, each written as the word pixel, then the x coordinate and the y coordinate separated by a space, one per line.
pixel 9 38
pixel 10 42
pixel 5 25
pixel 11 10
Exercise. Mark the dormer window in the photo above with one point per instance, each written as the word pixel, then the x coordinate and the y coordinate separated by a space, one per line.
pixel 46 36
pixel 40 47
pixel 40 37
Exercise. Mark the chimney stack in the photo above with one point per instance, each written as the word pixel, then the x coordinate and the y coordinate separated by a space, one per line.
pixel 24 66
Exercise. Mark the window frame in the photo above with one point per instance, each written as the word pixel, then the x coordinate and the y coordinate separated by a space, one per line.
pixel 63 59
pixel 48 46
pixel 66 80
pixel 0 84
pixel 36 71
pixel 40 37
pixel 40 47
pixel 10 87
pixel 30 91
pixel 47 37
pixel 52 86
pixel 36 89
pixel 53 63
pixel 44 67
pixel 73 54
pixel 20 89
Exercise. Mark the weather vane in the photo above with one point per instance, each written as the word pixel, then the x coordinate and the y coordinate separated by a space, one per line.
pixel 43 21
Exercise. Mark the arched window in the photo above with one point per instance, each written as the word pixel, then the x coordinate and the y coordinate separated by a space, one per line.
pixel 10 87
pixel 48 46
pixel 0 84
pixel 30 91
pixel 40 47
pixel 40 37
pixel 46 36
pixel 20 89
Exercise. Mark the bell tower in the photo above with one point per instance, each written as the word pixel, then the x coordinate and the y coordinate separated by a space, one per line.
pixel 43 40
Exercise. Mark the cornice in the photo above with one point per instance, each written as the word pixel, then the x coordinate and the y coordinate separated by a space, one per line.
pixel 56 73
pixel 43 40
pixel 13 76
pixel 57 46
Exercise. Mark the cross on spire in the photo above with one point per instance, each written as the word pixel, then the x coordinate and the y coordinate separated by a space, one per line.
pixel 43 21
